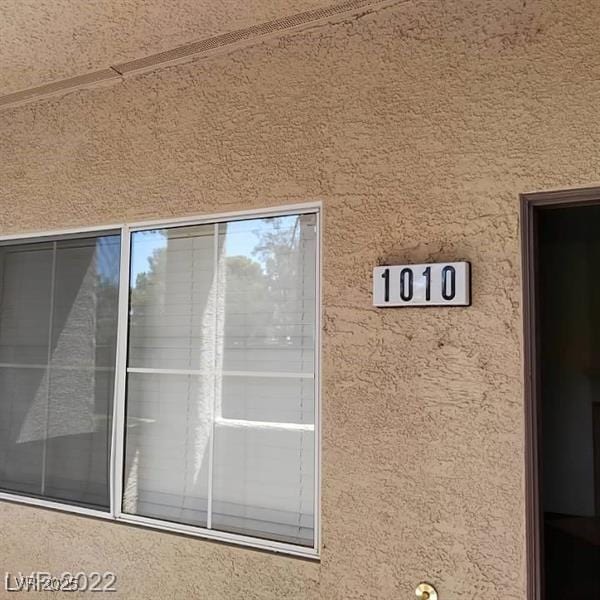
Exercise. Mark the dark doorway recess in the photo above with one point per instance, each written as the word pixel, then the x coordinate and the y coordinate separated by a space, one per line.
pixel 561 260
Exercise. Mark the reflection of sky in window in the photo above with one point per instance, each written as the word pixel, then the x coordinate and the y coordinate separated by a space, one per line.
pixel 244 236
pixel 143 246
pixel 242 239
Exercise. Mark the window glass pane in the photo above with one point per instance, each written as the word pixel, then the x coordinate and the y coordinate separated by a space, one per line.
pixel 221 386
pixel 20 459
pixel 269 294
pixel 171 282
pixel 25 310
pixel 167 449
pixel 58 323
pixel 263 481
pixel 273 399
pixel 172 326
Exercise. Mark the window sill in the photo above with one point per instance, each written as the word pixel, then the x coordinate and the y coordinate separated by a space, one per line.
pixel 169 527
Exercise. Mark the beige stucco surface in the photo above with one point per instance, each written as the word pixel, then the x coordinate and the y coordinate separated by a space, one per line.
pixel 46 40
pixel 417 126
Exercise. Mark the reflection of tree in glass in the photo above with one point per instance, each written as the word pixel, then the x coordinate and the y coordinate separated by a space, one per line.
pixel 106 256
pixel 149 284
pixel 262 295
pixel 278 250
pixel 246 301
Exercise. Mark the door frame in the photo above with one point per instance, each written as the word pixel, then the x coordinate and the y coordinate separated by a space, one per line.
pixel 531 205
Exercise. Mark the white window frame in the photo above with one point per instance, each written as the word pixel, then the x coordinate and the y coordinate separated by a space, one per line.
pixel 117 457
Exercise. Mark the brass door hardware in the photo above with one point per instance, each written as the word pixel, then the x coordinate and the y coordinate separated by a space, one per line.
pixel 425 591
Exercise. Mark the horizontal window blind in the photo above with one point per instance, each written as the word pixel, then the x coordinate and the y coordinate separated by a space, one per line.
pixel 220 410
pixel 58 326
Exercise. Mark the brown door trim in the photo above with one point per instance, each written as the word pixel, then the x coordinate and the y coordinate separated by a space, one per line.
pixel 531 204
pixel 596 443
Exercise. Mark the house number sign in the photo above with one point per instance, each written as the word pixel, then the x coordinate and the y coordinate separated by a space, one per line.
pixel 433 284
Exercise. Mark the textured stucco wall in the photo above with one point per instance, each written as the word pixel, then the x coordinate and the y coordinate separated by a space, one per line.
pixel 45 40
pixel 418 126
